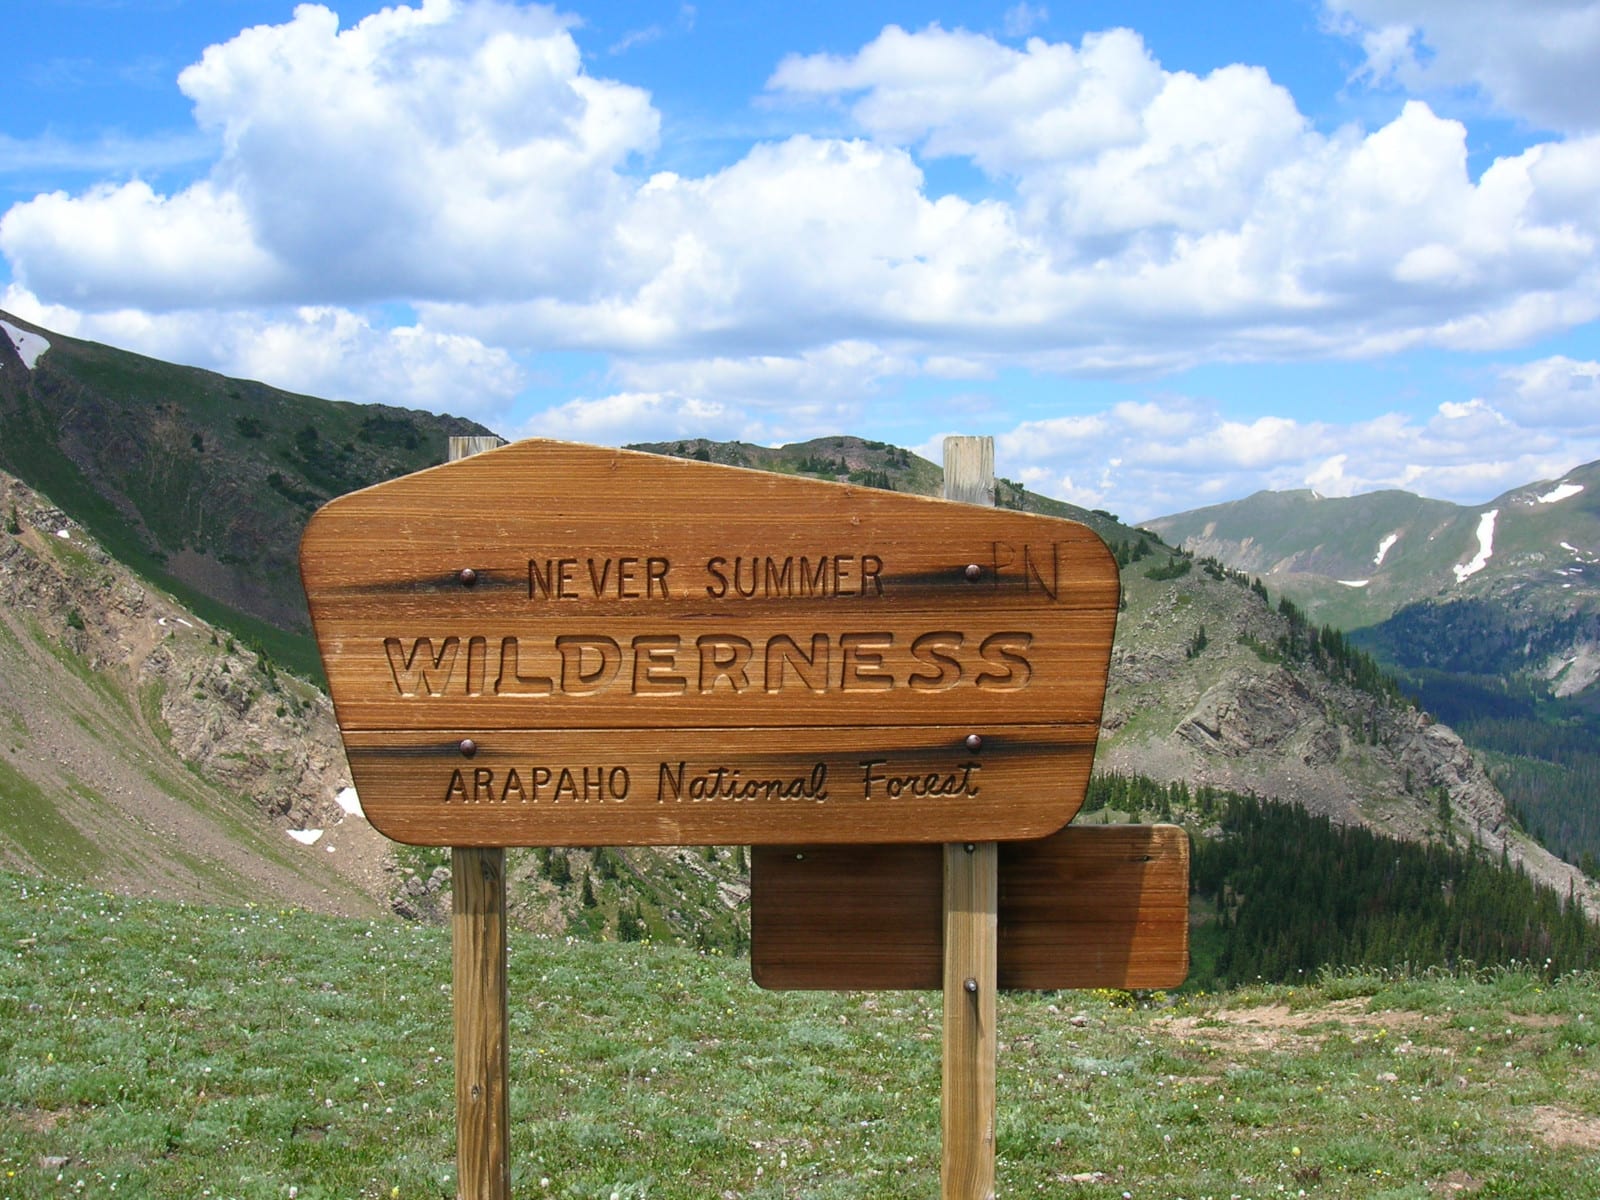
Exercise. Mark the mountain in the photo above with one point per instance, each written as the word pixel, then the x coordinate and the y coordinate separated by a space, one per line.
pixel 1210 683
pixel 1213 686
pixel 1490 615
pixel 1356 561
pixel 868 463
pixel 146 751
pixel 198 482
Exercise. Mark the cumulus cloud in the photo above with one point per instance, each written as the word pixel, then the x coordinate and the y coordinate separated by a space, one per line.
pixel 1557 394
pixel 634 417
pixel 1532 59
pixel 459 157
pixel 1535 421
pixel 322 351
pixel 457 160
pixel 444 150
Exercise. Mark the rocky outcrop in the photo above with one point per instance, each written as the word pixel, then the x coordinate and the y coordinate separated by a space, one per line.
pixel 232 726
pixel 1234 711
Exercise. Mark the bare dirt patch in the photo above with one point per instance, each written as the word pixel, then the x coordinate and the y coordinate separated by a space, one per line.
pixel 1271 1026
pixel 1562 1128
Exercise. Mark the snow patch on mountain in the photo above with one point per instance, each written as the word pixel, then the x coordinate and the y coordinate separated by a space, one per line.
pixel 1384 547
pixel 1358 583
pixel 1465 571
pixel 1564 491
pixel 29 345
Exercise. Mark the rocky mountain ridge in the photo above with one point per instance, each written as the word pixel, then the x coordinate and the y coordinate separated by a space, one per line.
pixel 1356 561
pixel 1488 614
pixel 146 751
pixel 1210 683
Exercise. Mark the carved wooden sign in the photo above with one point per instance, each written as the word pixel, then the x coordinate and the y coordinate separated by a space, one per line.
pixel 556 644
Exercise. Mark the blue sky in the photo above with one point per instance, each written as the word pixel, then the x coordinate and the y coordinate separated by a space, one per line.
pixel 1165 254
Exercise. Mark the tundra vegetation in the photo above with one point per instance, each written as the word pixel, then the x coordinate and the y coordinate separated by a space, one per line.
pixel 158 1049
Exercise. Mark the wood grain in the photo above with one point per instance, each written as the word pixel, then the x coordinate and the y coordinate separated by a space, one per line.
pixel 971 889
pixel 697 787
pixel 971 1044
pixel 479 996
pixel 573 595
pixel 1089 906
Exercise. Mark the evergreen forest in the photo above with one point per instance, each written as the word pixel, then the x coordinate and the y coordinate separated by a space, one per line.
pixel 1278 893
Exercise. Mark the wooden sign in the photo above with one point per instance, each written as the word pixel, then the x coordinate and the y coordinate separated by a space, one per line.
pixel 554 644
pixel 1089 906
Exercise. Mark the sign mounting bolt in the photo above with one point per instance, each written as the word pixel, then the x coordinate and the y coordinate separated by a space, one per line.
pixel 973 742
pixel 973 572
pixel 466 577
pixel 468 747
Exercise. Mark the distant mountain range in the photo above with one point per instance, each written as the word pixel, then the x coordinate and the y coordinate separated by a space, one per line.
pixel 1356 561
pixel 1490 614
pixel 196 488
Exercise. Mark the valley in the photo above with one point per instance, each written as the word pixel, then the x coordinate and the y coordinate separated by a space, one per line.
pixel 1489 616
pixel 1216 681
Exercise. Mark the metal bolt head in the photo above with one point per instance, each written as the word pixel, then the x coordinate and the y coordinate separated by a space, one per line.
pixel 973 742
pixel 466 576
pixel 973 572
pixel 468 747
pixel 971 985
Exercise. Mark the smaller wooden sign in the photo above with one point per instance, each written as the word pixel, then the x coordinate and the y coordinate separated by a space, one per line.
pixel 1089 906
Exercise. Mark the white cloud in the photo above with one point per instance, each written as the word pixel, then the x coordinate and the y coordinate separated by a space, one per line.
pixel 456 159
pixel 321 351
pixel 446 150
pixel 112 152
pixel 1533 59
pixel 333 352
pixel 125 245
pixel 1022 19
pixel 634 417
pixel 457 156
pixel 843 370
pixel 1555 393
pixel 1537 421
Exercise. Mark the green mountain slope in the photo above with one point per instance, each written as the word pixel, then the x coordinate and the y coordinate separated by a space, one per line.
pixel 200 482
pixel 1356 561
pixel 1210 684
pixel 1490 616
pixel 145 751
pixel 871 464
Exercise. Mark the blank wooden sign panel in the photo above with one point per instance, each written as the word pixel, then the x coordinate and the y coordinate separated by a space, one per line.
pixel 1090 906
pixel 555 644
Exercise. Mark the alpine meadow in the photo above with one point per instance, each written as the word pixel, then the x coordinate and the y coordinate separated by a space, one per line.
pixel 217 978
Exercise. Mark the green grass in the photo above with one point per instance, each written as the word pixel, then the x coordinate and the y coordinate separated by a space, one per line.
pixel 166 1050
pixel 34 827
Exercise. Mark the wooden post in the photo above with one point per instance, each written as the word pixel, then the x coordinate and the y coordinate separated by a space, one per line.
pixel 478 975
pixel 971 934
pixel 478 926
